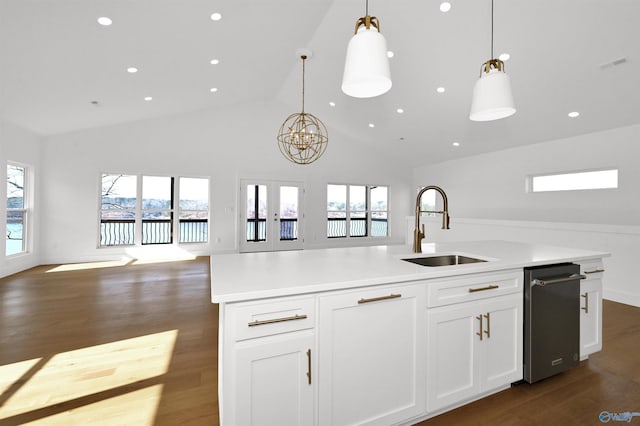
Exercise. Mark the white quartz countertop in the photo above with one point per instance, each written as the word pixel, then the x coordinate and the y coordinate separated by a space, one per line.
pixel 249 276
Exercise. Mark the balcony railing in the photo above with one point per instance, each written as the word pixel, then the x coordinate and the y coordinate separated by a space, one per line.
pixel 154 231
pixel 337 227
pixel 257 229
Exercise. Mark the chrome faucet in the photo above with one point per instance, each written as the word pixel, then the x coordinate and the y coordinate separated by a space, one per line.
pixel 419 235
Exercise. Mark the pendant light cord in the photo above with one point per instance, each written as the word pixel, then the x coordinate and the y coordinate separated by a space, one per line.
pixel 492 29
pixel 367 8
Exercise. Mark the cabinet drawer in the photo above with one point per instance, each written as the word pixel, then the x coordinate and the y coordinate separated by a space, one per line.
pixel 266 318
pixel 592 269
pixel 473 287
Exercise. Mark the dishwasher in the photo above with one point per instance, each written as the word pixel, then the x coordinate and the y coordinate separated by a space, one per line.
pixel 551 320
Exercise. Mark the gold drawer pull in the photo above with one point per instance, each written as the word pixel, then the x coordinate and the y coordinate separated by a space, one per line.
pixel 275 320
pixel 377 299
pixel 595 271
pixel 489 287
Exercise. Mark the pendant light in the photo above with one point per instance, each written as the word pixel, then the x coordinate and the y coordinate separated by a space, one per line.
pixel 302 138
pixel 366 68
pixel 492 98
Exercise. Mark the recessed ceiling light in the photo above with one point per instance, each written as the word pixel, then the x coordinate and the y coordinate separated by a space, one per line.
pixel 504 57
pixel 216 16
pixel 440 90
pixel 132 70
pixel 456 144
pixel 214 62
pixel 390 54
pixel 399 110
pixel 103 20
pixel 332 104
pixel 573 114
pixel 445 6
pixel 148 98
pixel 213 89
pixel 372 125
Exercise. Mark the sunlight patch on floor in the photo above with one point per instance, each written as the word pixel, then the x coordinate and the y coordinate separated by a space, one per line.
pixel 133 408
pixel 89 265
pixel 11 373
pixel 91 373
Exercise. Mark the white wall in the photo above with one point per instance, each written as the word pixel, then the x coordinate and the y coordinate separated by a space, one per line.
pixel 487 200
pixel 225 145
pixel 20 146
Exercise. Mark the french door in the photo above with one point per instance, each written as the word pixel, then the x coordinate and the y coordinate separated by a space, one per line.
pixel 271 215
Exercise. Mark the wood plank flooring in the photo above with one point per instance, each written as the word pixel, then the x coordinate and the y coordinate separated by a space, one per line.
pixel 136 344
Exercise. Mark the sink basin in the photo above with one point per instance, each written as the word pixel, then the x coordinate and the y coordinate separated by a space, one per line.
pixel 446 260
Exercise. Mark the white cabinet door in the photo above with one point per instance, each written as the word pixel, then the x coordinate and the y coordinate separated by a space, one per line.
pixel 274 381
pixel 474 347
pixel 501 352
pixel 452 364
pixel 372 352
pixel 590 316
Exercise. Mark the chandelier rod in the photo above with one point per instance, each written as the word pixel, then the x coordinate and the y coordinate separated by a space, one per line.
pixel 367 8
pixel 304 57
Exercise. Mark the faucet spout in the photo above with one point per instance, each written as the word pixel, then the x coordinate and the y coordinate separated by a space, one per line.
pixel 418 235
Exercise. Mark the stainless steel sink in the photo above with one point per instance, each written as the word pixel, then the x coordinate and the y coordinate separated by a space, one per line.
pixel 445 260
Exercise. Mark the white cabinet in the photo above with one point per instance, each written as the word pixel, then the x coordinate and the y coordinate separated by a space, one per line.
pixel 372 355
pixel 474 348
pixel 268 372
pixel 591 308
pixel 274 381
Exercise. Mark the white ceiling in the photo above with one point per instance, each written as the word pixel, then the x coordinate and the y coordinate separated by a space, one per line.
pixel 55 60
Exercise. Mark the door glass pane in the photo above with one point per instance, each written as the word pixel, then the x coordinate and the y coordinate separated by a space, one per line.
pixel 256 213
pixel 358 211
pixel 288 212
pixel 357 198
pixel 379 211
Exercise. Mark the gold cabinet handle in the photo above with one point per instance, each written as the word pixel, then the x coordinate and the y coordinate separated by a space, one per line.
pixel 275 320
pixel 309 365
pixel 595 271
pixel 377 299
pixel 488 330
pixel 479 318
pixel 489 287
pixel 585 308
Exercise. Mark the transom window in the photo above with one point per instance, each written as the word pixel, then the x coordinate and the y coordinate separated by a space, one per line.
pixel 574 181
pixel 357 211
pixel 141 210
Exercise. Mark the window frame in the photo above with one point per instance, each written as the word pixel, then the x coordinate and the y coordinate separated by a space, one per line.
pixel 27 202
pixel 349 212
pixel 174 211
pixel 530 180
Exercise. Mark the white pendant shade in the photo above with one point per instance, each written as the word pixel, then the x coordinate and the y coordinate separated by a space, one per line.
pixel 366 69
pixel 492 98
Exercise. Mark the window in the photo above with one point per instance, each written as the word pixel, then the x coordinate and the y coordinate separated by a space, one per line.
pixel 357 211
pixel 17 209
pixel 596 179
pixel 140 210
pixel 194 210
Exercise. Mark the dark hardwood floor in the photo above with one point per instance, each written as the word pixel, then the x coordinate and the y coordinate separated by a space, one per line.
pixel 137 345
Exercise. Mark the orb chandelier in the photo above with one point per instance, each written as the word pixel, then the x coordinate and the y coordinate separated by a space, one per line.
pixel 303 138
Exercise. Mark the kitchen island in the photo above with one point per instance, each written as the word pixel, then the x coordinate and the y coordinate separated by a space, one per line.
pixel 361 336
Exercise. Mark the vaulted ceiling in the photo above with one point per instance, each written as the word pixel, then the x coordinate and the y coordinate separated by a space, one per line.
pixel 61 71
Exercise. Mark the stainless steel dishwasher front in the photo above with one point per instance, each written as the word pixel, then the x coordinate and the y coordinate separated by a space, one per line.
pixel 551 320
